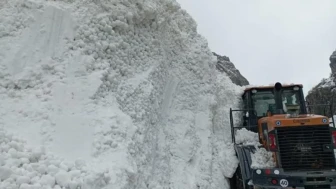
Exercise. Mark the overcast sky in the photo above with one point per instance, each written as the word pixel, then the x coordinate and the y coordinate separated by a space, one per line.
pixel 268 41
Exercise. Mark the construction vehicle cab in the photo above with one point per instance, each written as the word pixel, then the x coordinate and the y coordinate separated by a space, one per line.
pixel 302 144
pixel 262 101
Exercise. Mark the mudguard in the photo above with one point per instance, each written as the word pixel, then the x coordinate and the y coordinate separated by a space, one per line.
pixel 245 161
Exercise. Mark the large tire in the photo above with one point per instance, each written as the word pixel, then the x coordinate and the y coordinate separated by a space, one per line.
pixel 236 182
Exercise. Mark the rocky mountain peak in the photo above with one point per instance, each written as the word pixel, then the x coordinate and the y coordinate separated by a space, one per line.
pixel 333 63
pixel 324 92
pixel 225 65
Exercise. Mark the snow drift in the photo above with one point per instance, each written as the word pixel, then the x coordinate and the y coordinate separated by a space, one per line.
pixel 110 94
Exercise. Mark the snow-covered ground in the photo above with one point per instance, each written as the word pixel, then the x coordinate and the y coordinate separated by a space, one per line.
pixel 110 94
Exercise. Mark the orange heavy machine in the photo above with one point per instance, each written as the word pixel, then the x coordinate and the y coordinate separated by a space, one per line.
pixel 302 144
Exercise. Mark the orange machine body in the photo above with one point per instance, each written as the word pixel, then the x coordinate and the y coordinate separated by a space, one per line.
pixel 284 120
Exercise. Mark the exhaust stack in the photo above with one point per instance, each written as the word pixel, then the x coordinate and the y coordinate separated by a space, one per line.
pixel 278 98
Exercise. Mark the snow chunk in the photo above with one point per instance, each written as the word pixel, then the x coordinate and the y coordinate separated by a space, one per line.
pixel 48 180
pixel 246 137
pixel 22 179
pixel 5 173
pixel 52 169
pixel 262 159
pixel 63 178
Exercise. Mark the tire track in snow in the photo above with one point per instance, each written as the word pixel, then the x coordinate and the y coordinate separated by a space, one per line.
pixel 68 126
pixel 181 127
pixel 167 99
pixel 46 38
pixel 169 91
pixel 42 40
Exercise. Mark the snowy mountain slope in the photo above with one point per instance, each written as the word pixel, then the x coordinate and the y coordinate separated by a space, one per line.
pixel 119 94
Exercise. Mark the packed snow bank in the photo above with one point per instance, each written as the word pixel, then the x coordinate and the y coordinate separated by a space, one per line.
pixel 260 158
pixel 120 94
pixel 246 137
pixel 24 167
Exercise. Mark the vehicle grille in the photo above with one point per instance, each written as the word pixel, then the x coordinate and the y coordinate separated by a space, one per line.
pixel 305 148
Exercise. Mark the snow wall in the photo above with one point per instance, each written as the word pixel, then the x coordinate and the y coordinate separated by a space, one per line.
pixel 110 94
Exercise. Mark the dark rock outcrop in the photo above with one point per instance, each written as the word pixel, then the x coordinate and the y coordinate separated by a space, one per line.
pixel 324 92
pixel 333 63
pixel 225 65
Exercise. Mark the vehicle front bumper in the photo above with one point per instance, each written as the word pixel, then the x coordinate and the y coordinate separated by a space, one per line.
pixel 277 178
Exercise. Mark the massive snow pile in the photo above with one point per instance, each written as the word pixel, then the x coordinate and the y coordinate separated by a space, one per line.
pixel 110 94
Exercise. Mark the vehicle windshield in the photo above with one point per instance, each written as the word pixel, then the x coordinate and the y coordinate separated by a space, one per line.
pixel 264 101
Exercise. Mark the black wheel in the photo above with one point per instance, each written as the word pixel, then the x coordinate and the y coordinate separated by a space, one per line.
pixel 236 182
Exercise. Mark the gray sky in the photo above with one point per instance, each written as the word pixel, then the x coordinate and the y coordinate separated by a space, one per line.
pixel 288 41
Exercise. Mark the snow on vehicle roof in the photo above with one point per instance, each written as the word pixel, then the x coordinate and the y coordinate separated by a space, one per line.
pixel 250 87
